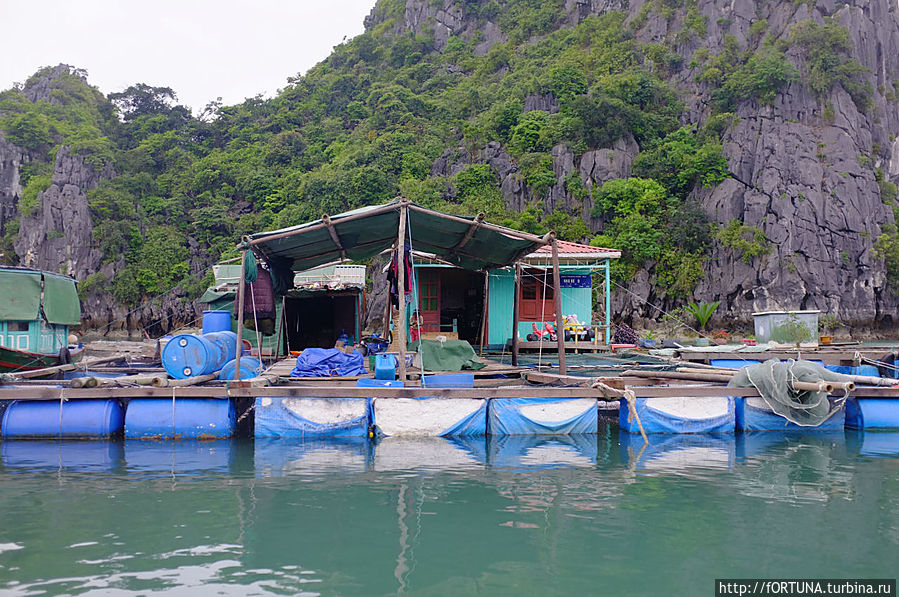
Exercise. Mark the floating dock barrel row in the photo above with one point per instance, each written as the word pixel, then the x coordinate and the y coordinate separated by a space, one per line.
pixel 73 418
pixel 144 418
pixel 422 417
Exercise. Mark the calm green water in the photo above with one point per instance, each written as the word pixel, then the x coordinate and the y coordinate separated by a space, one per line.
pixel 590 516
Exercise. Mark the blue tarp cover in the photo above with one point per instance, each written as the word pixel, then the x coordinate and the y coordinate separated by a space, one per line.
pixel 753 418
pixel 473 425
pixel 506 419
pixel 328 362
pixel 276 420
pixel 657 421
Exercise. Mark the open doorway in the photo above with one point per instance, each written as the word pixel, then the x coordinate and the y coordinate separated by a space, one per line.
pixel 317 321
pixel 451 299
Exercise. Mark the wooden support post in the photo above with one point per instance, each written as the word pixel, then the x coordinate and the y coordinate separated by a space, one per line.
pixel 281 326
pixel 557 293
pixel 400 332
pixel 484 312
pixel 515 307
pixel 607 300
pixel 241 293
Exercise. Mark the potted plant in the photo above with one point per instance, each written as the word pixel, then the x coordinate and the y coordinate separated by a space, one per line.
pixel 719 336
pixel 702 312
pixel 791 330
pixel 828 324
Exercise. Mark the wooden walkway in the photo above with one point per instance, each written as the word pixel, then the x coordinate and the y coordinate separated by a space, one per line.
pixel 282 370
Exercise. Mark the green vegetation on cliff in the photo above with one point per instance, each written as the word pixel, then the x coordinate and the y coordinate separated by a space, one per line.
pixel 368 123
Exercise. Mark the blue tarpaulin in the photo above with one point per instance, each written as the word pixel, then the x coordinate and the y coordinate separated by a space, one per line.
pixel 328 362
pixel 542 416
pixel 657 420
pixel 338 417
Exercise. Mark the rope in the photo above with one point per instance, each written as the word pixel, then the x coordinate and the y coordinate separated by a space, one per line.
pixel 62 399
pixel 255 323
pixel 631 399
pixel 173 412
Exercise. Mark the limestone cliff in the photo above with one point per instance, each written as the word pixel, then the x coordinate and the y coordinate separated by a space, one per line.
pixel 802 169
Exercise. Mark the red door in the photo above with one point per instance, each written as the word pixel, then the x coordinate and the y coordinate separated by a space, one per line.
pixel 429 300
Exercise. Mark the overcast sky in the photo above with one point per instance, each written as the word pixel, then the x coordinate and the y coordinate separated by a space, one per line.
pixel 202 49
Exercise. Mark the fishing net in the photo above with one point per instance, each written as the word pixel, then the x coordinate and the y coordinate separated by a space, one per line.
pixel 773 380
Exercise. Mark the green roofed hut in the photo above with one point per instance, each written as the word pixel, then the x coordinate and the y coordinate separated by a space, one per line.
pixel 477 249
pixel 36 310
pixel 322 303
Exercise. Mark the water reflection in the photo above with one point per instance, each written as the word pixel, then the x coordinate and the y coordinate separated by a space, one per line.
pixel 878 444
pixel 179 458
pixel 71 456
pixel 274 457
pixel 543 451
pixel 696 455
pixel 496 515
pixel 794 466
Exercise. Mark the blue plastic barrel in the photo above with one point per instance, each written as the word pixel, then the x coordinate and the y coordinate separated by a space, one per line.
pixel 185 418
pixel 216 321
pixel 385 366
pixel 189 355
pixel 249 367
pixel 74 418
pixel 872 413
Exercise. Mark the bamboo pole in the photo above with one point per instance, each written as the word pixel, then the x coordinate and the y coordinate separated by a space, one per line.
pixel 557 292
pixel 401 291
pixel 67 367
pixel 241 292
pixel 677 375
pixel 484 312
pixel 515 316
pixel 192 381
pixel 280 330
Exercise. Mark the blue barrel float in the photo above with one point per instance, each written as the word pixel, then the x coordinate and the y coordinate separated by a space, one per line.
pixel 70 419
pixel 216 321
pixel 189 355
pixel 181 418
pixel 249 367
pixel 872 413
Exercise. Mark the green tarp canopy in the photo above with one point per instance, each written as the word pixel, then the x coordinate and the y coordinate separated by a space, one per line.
pixel 20 295
pixel 61 304
pixel 360 234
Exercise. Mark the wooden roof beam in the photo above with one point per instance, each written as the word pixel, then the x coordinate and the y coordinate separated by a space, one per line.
pixel 326 220
pixel 475 224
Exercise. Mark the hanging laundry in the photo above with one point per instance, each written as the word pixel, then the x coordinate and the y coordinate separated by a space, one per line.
pixel 393 277
pixel 259 304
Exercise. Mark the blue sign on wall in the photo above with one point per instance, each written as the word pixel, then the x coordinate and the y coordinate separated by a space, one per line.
pixel 576 281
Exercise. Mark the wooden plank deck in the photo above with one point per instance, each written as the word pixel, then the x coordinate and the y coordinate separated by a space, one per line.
pixel 283 368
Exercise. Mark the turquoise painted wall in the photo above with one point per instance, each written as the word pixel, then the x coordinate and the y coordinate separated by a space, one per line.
pixel 499 306
pixel 575 301
pixel 40 337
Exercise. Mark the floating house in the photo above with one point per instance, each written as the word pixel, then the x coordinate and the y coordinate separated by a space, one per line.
pixel 323 303
pixel 36 310
pixel 451 300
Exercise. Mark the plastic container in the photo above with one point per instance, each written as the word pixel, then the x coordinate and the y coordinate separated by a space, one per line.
pixel 385 366
pixel 188 355
pixel 216 321
pixel 249 367
pixel 72 419
pixel 186 418
pixel 449 380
